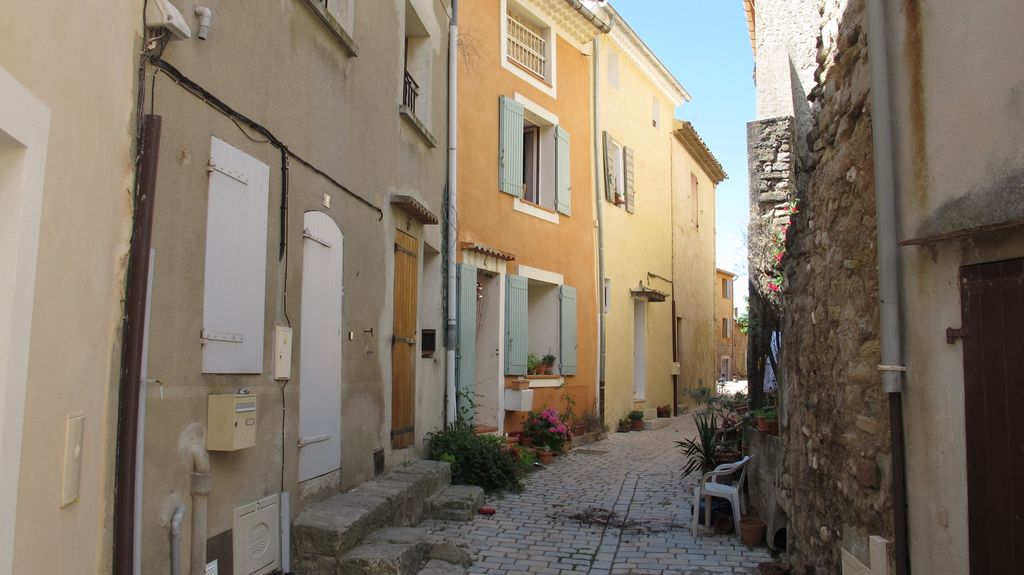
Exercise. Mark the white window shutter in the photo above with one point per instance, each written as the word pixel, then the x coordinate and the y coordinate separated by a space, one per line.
pixel 563 179
pixel 236 260
pixel 610 178
pixel 510 147
pixel 628 165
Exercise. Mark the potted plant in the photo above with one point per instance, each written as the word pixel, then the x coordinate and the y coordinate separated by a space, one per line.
pixel 546 455
pixel 549 364
pixel 547 429
pixel 701 451
pixel 636 420
pixel 532 363
pixel 623 425
pixel 751 531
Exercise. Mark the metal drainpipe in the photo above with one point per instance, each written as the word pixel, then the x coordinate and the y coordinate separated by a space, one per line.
pixel 599 201
pixel 132 347
pixel 888 269
pixel 453 59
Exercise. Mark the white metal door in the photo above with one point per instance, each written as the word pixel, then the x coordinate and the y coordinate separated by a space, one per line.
pixel 320 347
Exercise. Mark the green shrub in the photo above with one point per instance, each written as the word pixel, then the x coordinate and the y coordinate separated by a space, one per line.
pixel 475 459
pixel 636 415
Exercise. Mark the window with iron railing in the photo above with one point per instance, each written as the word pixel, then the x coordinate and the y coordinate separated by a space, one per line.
pixel 409 92
pixel 526 46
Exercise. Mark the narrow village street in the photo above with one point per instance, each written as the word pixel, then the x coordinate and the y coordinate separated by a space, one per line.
pixel 614 506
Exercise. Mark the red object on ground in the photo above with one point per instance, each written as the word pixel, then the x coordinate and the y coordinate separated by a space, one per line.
pixel 486 511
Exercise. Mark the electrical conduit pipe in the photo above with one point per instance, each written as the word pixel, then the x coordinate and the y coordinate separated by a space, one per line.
pixel 453 60
pixel 179 514
pixel 202 484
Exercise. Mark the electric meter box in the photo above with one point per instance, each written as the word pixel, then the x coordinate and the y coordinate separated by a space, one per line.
pixel 231 422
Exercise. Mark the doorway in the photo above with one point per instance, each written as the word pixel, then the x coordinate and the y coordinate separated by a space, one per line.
pixel 320 347
pixel 403 341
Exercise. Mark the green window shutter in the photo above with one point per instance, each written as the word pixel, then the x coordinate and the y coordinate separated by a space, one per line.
pixel 510 158
pixel 563 181
pixel 610 181
pixel 516 314
pixel 465 339
pixel 628 164
pixel 567 329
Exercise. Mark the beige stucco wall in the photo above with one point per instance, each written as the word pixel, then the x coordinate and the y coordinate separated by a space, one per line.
pixel 278 64
pixel 78 60
pixel 639 243
pixel 959 142
pixel 694 268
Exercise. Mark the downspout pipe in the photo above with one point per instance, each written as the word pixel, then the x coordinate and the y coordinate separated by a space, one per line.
pixel 453 60
pixel 892 367
pixel 132 349
pixel 176 518
pixel 202 484
pixel 599 210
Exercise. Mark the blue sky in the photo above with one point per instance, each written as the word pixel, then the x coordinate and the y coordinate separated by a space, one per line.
pixel 704 44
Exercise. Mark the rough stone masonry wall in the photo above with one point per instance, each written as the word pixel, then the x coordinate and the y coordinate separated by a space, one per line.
pixel 838 471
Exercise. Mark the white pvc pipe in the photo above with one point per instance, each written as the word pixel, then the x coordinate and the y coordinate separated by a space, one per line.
pixel 202 484
pixel 176 518
pixel 453 58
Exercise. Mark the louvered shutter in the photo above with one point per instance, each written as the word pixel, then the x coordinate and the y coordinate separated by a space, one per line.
pixel 465 339
pixel 610 181
pixel 629 168
pixel 563 181
pixel 510 152
pixel 567 329
pixel 235 279
pixel 516 315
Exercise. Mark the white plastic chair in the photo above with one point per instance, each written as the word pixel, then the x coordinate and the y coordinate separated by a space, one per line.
pixel 710 487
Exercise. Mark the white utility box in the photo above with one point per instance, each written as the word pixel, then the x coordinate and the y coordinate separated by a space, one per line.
pixel 256 537
pixel 518 400
pixel 231 422
pixel 282 352
pixel 675 368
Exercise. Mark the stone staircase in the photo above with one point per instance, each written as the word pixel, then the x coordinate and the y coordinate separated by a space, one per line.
pixel 652 421
pixel 370 529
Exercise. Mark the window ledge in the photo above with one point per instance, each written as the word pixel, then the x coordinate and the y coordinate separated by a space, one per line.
pixel 545 381
pixel 417 125
pixel 334 27
pixel 534 210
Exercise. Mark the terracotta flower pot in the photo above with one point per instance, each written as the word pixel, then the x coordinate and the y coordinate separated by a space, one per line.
pixel 751 531
pixel 773 426
pixel 762 423
pixel 526 440
pixel 546 457
pixel 636 424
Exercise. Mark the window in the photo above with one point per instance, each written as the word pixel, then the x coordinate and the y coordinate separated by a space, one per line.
pixel 339 17
pixel 619 164
pixel 540 319
pixel 417 105
pixel 725 328
pixel 528 46
pixel 726 372
pixel 726 288
pixel 534 157
pixel 613 68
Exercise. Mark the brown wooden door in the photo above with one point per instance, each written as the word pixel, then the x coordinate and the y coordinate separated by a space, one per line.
pixel 403 343
pixel 992 299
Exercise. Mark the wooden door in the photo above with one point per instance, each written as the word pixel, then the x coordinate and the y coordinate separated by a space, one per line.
pixel 403 342
pixel 320 347
pixel 992 299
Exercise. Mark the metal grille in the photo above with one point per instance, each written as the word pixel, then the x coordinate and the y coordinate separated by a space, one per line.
pixel 378 461
pixel 409 92
pixel 526 47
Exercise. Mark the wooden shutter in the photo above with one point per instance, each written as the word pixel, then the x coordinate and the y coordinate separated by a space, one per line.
pixel 516 314
pixel 563 180
pixel 610 179
pixel 629 168
pixel 235 280
pixel 510 158
pixel 567 329
pixel 465 351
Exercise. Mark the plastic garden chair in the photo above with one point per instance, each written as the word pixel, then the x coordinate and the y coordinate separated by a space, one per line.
pixel 710 487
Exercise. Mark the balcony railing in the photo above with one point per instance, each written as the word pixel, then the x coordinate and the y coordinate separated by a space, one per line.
pixel 526 47
pixel 409 93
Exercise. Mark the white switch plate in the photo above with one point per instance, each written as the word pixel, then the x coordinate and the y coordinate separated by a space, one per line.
pixel 326 200
pixel 282 352
pixel 74 426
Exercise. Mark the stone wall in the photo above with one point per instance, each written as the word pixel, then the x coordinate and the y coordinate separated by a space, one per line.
pixel 837 457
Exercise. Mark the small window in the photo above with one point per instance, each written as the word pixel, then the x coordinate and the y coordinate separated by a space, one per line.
pixel 531 163
pixel 726 288
pixel 338 16
pixel 428 344
pixel 619 170
pixel 418 68
pixel 528 44
pixel 725 328
pixel 613 69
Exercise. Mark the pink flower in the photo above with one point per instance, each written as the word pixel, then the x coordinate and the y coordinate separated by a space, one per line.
pixel 772 286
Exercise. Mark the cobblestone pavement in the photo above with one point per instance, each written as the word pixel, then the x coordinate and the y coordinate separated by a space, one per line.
pixel 615 506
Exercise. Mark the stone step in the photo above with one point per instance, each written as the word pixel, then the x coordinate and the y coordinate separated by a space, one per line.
pixel 455 503
pixel 332 527
pixel 657 423
pixel 403 551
